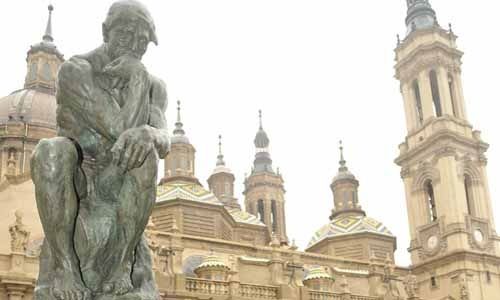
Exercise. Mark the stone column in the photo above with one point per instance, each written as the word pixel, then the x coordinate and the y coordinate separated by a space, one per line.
pixel 15 290
pixel 410 107
pixel 444 91
pixel 424 84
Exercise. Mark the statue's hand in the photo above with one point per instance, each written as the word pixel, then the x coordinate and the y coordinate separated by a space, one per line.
pixel 125 67
pixel 132 147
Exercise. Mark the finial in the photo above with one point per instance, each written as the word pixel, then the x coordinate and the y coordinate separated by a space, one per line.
pixel 342 161
pixel 179 131
pixel 260 119
pixel 220 157
pixel 47 37
pixel 220 144
pixel 178 111
pixel 450 29
pixel 399 39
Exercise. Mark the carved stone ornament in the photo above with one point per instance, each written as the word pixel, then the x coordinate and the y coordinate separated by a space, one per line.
pixel 431 239
pixel 411 285
pixel 479 234
pixel 19 234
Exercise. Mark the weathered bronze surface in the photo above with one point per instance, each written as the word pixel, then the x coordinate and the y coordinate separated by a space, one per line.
pixel 95 182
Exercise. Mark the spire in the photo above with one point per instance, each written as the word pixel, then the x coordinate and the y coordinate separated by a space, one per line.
pixel 262 162
pixel 260 119
pixel 342 161
pixel 261 140
pixel 47 37
pixel 420 15
pixel 179 133
pixel 220 157
pixel 343 170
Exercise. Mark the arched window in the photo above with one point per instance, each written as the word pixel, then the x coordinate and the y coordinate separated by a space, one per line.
pixel 452 95
pixel 435 93
pixel 469 195
pixel 431 201
pixel 260 210
pixel 418 102
pixel 274 216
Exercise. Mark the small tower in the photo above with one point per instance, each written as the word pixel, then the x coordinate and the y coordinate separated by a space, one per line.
pixel 179 163
pixel 264 191
pixel 350 234
pixel 43 61
pixel 345 190
pixel 29 114
pixel 221 182
pixel 443 164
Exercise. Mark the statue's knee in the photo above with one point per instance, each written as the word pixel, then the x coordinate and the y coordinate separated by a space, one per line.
pixel 54 157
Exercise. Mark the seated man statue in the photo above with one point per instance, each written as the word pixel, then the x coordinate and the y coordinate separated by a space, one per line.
pixel 96 182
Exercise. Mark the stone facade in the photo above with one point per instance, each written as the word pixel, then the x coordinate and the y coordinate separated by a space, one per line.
pixel 205 246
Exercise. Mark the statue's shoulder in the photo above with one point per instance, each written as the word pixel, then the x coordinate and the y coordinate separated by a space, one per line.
pixel 159 91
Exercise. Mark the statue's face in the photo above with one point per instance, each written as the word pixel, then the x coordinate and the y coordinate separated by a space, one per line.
pixel 130 38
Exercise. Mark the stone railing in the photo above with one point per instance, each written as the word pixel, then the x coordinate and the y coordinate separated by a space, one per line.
pixel 258 291
pixel 358 297
pixel 203 286
pixel 319 295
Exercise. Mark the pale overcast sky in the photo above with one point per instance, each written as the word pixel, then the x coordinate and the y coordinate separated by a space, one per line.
pixel 320 71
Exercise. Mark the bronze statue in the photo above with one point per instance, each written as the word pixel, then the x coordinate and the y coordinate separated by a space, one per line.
pixel 96 182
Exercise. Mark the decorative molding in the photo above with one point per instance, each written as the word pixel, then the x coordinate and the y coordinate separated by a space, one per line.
pixel 431 231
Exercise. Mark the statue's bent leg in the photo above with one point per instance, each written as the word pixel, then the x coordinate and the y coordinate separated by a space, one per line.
pixel 53 166
pixel 136 201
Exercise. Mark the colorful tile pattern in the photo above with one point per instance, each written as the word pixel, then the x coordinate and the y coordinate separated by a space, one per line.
pixel 349 224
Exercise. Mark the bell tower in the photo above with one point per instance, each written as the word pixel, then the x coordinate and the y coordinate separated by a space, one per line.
pixel 443 167
pixel 264 191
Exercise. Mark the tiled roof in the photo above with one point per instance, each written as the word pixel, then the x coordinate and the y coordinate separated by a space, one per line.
pixel 243 217
pixel 349 224
pixel 186 191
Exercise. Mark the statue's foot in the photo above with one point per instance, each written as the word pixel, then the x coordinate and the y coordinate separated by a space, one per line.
pixel 120 286
pixel 67 289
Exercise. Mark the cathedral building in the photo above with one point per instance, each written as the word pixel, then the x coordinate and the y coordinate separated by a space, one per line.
pixel 206 245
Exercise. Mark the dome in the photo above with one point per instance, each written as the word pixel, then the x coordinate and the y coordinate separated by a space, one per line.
pixel 349 224
pixel 344 175
pixel 46 46
pixel 261 139
pixel 212 261
pixel 318 273
pixel 179 139
pixel 29 105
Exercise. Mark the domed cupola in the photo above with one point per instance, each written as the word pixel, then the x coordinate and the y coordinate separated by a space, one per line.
pixel 43 61
pixel 350 233
pixel 318 279
pixel 345 190
pixel 221 181
pixel 180 161
pixel 213 268
pixel 420 15
pixel 29 114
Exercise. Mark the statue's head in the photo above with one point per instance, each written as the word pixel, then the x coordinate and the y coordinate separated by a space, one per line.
pixel 128 29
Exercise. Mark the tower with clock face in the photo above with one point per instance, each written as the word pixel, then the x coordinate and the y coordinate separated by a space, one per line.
pixel 454 245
